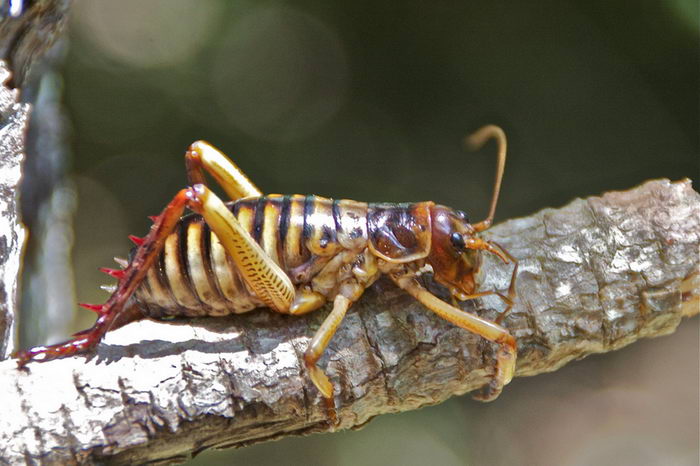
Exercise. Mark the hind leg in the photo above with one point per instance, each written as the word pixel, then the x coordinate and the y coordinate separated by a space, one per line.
pixel 267 280
pixel 115 310
pixel 202 156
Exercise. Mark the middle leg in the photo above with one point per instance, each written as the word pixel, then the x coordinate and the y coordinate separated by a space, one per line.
pixel 505 256
pixel 318 345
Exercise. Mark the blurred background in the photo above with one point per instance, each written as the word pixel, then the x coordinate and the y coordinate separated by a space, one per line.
pixel 371 101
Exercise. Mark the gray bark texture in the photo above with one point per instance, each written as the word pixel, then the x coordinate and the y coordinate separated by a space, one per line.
pixel 28 41
pixel 13 127
pixel 594 276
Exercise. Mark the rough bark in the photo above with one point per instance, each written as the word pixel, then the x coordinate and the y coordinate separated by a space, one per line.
pixel 28 35
pixel 27 31
pixel 13 126
pixel 595 275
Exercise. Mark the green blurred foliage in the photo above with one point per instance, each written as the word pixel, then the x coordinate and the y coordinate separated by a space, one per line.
pixel 371 101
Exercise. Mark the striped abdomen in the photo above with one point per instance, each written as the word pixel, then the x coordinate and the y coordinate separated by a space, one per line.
pixel 194 276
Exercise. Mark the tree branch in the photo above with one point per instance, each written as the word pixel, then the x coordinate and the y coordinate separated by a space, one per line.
pixel 27 33
pixel 595 275
pixel 13 126
pixel 29 40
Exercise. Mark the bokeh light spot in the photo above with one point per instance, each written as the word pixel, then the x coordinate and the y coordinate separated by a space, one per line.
pixel 280 74
pixel 147 34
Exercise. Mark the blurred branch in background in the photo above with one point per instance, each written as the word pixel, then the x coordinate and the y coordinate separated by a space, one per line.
pixel 596 275
pixel 29 42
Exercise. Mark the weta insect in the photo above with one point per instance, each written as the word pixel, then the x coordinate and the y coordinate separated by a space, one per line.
pixel 292 254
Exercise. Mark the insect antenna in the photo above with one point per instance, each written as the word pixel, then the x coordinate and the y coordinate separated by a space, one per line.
pixel 474 142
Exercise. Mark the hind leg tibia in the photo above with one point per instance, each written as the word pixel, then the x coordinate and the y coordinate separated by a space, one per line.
pixel 202 156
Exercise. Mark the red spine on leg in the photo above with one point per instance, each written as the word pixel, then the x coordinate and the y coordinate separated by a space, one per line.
pixel 115 312
pixel 136 240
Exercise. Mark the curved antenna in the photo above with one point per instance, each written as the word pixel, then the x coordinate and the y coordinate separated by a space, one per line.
pixel 474 142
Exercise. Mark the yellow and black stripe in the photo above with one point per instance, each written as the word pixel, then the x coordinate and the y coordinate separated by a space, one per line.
pixel 194 276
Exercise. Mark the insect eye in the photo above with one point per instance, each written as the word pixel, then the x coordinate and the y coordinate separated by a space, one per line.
pixel 457 241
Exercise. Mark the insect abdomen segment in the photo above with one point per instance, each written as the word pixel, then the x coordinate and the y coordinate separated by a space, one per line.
pixel 194 276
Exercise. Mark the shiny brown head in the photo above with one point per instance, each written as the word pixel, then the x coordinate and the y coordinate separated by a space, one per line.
pixel 455 244
pixel 453 263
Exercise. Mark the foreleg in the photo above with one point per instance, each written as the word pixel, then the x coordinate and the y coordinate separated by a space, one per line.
pixel 505 256
pixel 507 353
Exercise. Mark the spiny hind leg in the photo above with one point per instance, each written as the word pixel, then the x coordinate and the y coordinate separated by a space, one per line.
pixel 507 353
pixel 202 156
pixel 116 312
pixel 260 272
pixel 268 281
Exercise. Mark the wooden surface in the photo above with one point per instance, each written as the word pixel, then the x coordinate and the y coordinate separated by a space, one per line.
pixel 27 32
pixel 13 125
pixel 595 275
pixel 30 45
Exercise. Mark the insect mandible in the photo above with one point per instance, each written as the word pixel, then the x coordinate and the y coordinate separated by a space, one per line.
pixel 294 253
